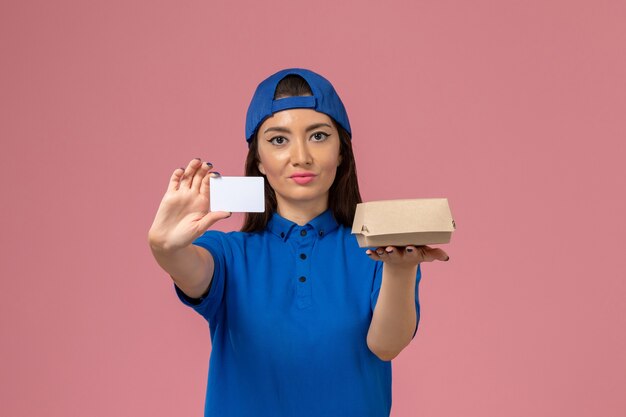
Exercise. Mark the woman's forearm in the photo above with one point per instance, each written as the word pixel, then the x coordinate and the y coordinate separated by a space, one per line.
pixel 190 267
pixel 394 319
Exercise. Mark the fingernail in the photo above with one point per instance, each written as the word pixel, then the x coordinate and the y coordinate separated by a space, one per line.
pixel 209 164
pixel 182 168
pixel 409 249
pixel 447 259
pixel 231 213
pixel 389 251
pixel 216 173
pixel 380 253
pixel 198 159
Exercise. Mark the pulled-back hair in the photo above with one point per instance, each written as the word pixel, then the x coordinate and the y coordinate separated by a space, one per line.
pixel 343 195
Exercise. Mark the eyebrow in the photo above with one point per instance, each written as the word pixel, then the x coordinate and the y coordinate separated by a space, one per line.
pixel 286 130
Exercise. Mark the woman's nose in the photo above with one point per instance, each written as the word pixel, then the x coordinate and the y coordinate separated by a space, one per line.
pixel 300 153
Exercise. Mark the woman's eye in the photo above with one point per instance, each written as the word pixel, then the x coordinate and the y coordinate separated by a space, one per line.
pixel 320 136
pixel 278 140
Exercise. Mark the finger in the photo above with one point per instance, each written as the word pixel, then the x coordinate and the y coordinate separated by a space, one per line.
pixel 372 254
pixel 392 253
pixel 382 253
pixel 204 186
pixel 211 217
pixel 414 253
pixel 193 165
pixel 436 254
pixel 175 179
pixel 199 176
pixel 428 254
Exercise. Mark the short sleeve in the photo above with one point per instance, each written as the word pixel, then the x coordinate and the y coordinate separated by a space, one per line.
pixel 378 279
pixel 210 304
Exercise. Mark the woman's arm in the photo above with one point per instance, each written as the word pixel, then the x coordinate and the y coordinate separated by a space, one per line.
pixel 395 318
pixel 182 217
pixel 191 268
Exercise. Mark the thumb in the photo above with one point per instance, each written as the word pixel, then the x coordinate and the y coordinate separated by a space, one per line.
pixel 435 254
pixel 212 217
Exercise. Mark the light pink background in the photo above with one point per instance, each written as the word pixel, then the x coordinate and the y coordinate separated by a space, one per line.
pixel 514 110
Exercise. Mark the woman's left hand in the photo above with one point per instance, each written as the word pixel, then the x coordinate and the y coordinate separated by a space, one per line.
pixel 407 255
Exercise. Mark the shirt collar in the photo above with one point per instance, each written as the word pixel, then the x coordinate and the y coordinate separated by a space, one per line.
pixel 322 225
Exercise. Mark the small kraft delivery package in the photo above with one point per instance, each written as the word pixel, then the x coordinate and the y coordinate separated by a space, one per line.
pixel 422 221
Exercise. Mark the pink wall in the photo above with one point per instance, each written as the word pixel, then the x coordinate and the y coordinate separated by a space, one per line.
pixel 514 110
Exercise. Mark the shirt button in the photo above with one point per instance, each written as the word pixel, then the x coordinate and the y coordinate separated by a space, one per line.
pixel 302 256
pixel 321 233
pixel 302 232
pixel 282 234
pixel 302 279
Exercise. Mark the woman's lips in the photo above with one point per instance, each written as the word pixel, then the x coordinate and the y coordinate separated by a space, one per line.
pixel 303 179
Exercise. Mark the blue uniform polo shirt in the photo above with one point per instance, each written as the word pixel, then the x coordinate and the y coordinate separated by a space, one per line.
pixel 288 310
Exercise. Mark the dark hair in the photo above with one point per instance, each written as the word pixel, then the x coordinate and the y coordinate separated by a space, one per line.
pixel 343 195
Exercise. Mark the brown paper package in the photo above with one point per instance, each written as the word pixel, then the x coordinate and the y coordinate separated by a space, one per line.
pixel 421 221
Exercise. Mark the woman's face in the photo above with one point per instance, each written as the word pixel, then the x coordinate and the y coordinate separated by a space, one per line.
pixel 299 155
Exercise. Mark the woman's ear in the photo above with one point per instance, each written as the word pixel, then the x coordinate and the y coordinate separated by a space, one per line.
pixel 261 169
pixel 340 159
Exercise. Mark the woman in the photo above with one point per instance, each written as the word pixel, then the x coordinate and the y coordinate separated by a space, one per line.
pixel 302 323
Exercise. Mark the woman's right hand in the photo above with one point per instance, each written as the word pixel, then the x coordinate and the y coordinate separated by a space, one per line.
pixel 183 214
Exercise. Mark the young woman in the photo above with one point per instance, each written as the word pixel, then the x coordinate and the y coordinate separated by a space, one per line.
pixel 303 322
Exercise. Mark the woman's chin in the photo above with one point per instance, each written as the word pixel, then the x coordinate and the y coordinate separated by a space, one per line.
pixel 306 196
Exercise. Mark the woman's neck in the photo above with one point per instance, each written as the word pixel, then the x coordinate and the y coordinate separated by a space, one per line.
pixel 301 212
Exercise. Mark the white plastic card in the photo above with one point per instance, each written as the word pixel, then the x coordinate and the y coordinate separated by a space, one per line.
pixel 237 194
